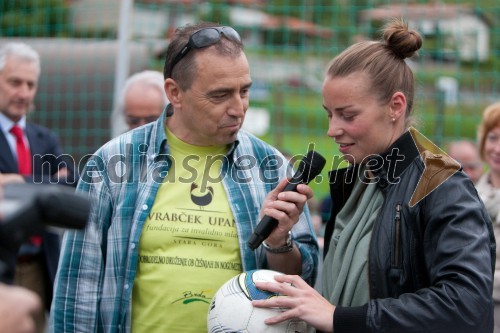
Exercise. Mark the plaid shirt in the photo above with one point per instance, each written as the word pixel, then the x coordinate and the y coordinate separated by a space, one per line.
pixel 93 288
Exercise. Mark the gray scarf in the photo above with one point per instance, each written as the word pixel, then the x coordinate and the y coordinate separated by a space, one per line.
pixel 345 269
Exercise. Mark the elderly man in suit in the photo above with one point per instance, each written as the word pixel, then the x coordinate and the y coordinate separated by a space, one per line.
pixel 29 153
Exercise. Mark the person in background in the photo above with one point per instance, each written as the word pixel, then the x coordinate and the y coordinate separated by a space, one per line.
pixel 467 154
pixel 171 217
pixel 409 246
pixel 141 101
pixel 488 185
pixel 29 153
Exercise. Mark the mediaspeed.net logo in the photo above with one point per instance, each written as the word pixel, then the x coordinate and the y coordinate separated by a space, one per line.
pixel 120 168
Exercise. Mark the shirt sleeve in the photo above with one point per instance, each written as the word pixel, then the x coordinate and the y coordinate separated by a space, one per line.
pixel 79 279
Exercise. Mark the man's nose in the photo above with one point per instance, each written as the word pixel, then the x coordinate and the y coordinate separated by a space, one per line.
pixel 238 106
pixel 24 91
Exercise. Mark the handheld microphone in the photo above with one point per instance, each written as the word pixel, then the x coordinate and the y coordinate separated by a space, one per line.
pixel 310 166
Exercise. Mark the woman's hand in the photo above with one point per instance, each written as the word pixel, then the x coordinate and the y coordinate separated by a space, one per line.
pixel 301 301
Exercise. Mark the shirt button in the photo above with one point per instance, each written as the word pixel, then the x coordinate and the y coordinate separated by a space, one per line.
pixel 126 286
pixel 144 207
pixel 132 246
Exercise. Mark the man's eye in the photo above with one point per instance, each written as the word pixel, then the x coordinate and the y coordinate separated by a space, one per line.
pixel 15 83
pixel 219 96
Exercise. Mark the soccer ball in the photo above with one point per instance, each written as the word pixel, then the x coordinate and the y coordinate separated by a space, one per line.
pixel 231 309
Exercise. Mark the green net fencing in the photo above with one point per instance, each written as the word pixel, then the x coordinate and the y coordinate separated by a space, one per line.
pixel 288 43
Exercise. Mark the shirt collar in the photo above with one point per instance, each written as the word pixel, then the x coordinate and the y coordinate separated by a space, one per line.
pixel 6 123
pixel 161 138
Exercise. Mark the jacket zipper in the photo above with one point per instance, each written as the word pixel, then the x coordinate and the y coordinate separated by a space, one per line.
pixel 397 231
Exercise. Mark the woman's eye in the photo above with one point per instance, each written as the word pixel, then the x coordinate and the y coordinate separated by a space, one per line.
pixel 492 138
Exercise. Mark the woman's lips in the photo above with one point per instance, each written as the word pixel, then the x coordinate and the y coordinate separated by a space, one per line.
pixel 345 147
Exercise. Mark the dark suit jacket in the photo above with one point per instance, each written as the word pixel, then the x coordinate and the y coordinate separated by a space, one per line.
pixel 47 153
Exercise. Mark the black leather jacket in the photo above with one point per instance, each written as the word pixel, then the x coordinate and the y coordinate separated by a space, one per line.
pixel 431 260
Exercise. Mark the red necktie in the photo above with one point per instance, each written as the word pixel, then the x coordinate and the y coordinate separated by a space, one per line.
pixel 24 164
pixel 23 152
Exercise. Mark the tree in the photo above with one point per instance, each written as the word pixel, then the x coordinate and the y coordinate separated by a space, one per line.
pixel 33 18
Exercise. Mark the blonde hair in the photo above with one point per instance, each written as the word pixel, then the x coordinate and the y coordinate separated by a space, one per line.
pixel 491 119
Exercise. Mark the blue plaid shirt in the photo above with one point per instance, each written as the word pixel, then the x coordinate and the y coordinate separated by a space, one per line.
pixel 93 288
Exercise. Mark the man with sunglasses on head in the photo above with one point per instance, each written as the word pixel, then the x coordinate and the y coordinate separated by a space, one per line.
pixel 141 101
pixel 170 222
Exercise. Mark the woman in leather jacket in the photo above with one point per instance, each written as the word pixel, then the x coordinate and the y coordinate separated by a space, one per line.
pixel 409 246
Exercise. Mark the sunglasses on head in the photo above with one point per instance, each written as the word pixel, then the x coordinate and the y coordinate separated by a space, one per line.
pixel 203 38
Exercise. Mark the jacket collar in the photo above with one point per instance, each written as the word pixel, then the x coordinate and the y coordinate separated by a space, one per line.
pixel 388 166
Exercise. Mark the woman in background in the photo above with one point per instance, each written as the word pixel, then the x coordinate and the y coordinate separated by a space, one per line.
pixel 488 185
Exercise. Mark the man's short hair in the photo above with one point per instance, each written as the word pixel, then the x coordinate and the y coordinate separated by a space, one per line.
pixel 20 51
pixel 145 78
pixel 185 71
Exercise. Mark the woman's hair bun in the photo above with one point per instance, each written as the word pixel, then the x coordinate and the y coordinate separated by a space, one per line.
pixel 401 40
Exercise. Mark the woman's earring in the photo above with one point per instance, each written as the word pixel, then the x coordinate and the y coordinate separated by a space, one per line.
pixel 393 119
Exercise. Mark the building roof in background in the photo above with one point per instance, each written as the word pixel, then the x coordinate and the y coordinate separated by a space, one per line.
pixel 250 17
pixel 432 11
pixel 152 23
pixel 296 24
pixel 192 2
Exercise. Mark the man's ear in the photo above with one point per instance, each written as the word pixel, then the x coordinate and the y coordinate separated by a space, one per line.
pixel 397 106
pixel 173 92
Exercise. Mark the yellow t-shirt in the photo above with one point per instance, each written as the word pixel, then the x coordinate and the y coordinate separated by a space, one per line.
pixel 188 246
